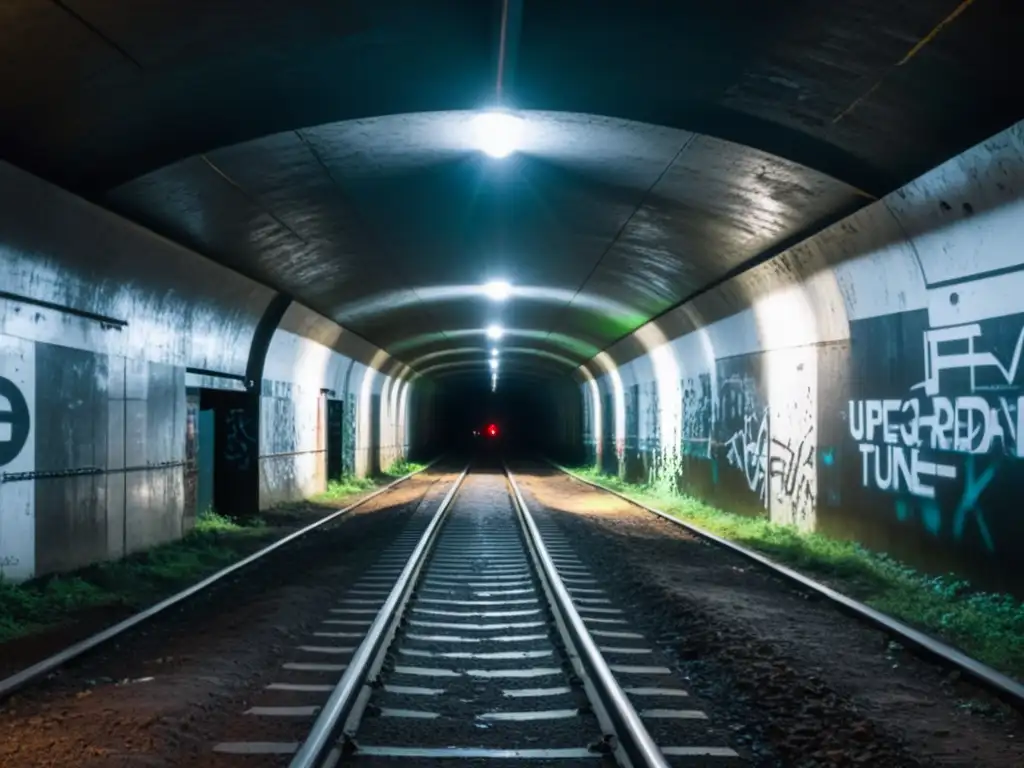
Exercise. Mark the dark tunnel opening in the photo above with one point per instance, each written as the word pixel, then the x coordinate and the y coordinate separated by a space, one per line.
pixel 533 418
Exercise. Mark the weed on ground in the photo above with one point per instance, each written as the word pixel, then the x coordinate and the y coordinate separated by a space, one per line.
pixel 344 487
pixel 987 626
pixel 350 485
pixel 402 467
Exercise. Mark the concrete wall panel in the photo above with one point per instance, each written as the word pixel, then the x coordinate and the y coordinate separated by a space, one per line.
pixel 312 358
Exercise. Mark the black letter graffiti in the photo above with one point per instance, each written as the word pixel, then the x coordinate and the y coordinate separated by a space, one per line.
pixel 13 411
pixel 241 446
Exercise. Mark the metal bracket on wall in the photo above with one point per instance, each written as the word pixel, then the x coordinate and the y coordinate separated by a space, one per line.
pixel 155 465
pixel 215 374
pixel 291 453
pixel 107 323
pixel 14 477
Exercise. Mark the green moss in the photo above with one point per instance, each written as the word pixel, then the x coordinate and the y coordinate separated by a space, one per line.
pixel 402 467
pixel 349 485
pixel 346 486
pixel 987 626
pixel 135 581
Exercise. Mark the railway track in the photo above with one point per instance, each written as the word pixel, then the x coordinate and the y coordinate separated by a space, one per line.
pixel 479 637
pixel 472 632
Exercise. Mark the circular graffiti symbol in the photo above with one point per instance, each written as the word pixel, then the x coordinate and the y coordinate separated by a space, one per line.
pixel 13 411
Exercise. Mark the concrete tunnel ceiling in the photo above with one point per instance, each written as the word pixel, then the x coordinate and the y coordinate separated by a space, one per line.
pixel 326 148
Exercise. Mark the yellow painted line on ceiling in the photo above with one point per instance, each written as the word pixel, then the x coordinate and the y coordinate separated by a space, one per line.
pixel 918 46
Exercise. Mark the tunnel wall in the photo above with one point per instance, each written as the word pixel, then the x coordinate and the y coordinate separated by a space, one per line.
pixel 314 365
pixel 422 414
pixel 865 383
pixel 112 341
pixel 311 362
pixel 561 413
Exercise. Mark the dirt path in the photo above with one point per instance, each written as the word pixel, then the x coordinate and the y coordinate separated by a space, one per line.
pixel 162 695
pixel 800 683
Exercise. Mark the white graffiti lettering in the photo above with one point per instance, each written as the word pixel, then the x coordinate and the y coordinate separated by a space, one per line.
pixel 935 362
pixel 748 451
pixel 894 434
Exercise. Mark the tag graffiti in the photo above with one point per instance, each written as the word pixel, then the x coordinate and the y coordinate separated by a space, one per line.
pixel 241 444
pixel 748 452
pixel 767 462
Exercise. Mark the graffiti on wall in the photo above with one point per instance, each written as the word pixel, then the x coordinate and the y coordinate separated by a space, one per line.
pixel 699 405
pixel 241 444
pixel 952 429
pixel 740 422
pixel 632 404
pixel 794 442
pixel 747 451
pixel 792 471
pixel 651 424
pixel 776 466
pixel 349 435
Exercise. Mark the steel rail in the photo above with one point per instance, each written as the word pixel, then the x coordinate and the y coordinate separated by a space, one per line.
pixel 20 679
pixel 1002 685
pixel 629 731
pixel 321 741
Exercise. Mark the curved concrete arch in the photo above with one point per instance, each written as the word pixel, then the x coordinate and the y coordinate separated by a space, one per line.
pixel 528 375
pixel 484 352
pixel 503 370
pixel 729 87
pixel 577 346
pixel 391 302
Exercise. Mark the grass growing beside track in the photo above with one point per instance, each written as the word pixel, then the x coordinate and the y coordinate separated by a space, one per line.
pixel 350 485
pixel 403 467
pixel 132 582
pixel 142 579
pixel 987 626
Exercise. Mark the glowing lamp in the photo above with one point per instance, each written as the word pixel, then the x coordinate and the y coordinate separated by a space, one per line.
pixel 497 134
pixel 497 290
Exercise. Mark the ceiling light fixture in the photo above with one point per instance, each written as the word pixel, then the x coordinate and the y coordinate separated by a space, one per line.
pixel 494 364
pixel 495 332
pixel 497 290
pixel 494 353
pixel 497 134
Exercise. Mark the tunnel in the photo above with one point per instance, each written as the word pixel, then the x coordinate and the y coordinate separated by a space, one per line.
pixel 766 255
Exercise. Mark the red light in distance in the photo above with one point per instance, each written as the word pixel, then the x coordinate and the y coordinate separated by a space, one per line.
pixel 492 430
